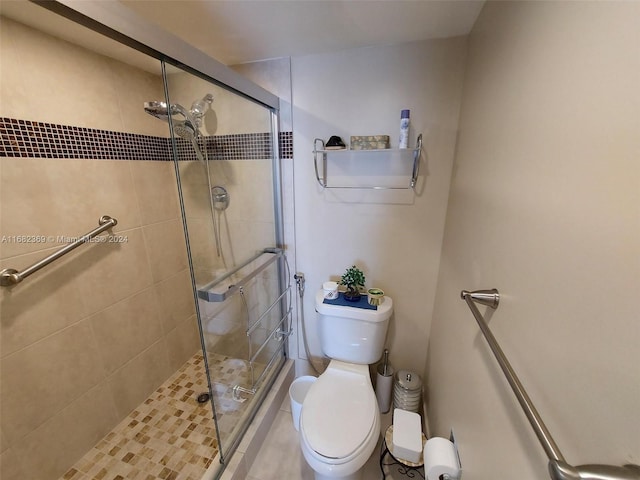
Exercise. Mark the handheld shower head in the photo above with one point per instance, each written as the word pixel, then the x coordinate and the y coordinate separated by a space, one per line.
pixel 185 129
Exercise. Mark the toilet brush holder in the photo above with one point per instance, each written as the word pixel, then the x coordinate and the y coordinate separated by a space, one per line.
pixel 384 383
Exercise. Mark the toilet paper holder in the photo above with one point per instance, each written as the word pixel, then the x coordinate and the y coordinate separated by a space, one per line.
pixel 447 465
pixel 559 469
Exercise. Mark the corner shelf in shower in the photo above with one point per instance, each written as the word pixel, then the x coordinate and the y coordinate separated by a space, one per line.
pixel 380 169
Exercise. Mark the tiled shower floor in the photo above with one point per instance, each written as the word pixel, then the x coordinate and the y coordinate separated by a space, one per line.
pixel 170 436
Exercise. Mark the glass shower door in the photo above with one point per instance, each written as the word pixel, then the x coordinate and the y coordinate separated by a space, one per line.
pixel 227 173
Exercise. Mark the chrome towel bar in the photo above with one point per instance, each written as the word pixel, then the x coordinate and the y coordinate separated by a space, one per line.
pixel 9 276
pixel 222 288
pixel 558 468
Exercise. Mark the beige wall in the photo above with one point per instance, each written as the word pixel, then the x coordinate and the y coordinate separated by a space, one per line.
pixel 86 339
pixel 394 237
pixel 544 206
pixel 98 92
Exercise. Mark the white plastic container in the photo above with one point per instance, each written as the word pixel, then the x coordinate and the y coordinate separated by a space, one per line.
pixel 407 435
pixel 330 290
pixel 297 391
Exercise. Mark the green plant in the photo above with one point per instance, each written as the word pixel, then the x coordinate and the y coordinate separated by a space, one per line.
pixel 352 279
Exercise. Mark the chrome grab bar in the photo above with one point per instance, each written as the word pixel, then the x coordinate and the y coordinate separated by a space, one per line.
pixel 558 468
pixel 491 298
pixel 10 276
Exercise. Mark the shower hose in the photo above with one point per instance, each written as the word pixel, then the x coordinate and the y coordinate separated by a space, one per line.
pixel 299 277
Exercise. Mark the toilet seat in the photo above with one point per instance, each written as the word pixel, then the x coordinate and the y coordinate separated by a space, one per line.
pixel 339 413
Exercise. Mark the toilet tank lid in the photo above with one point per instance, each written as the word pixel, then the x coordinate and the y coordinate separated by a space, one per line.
pixel 382 313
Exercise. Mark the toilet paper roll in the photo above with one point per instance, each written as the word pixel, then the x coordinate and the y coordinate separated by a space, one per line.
pixel 441 458
pixel 383 391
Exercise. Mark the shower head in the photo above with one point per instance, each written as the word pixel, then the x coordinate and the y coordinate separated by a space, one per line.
pixel 162 111
pixel 157 109
pixel 193 116
pixel 186 128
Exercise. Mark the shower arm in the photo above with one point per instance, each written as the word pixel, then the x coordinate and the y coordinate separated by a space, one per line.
pixel 559 469
pixel 198 107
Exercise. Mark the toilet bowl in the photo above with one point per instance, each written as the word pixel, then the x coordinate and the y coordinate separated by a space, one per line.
pixel 340 422
pixel 340 419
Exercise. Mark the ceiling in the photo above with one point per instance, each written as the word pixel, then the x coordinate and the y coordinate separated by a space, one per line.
pixel 240 31
pixel 244 31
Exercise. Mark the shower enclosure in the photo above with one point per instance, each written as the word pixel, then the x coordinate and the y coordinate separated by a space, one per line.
pixel 147 350
pixel 228 181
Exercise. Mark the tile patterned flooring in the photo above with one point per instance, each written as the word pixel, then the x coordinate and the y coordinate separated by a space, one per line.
pixel 170 436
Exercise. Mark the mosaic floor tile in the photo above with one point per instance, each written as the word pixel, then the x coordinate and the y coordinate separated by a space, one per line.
pixel 170 436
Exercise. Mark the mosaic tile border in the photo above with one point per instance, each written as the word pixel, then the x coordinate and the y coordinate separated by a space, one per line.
pixel 26 138
pixel 286 144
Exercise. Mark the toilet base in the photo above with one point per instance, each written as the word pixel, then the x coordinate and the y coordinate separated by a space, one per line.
pixel 354 476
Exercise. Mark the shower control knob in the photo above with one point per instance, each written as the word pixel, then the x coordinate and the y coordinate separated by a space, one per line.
pixel 220 198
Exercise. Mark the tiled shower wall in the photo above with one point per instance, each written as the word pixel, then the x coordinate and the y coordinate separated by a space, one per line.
pixel 90 336
pixel 87 338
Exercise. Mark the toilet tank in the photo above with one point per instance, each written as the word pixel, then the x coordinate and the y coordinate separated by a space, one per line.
pixel 351 334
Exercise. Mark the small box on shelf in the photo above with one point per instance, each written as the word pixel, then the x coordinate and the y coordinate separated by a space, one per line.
pixel 369 142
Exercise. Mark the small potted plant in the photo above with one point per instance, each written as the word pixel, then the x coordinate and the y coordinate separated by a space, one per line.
pixel 353 279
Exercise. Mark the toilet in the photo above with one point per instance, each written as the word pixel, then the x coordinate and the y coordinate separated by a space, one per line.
pixel 340 419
